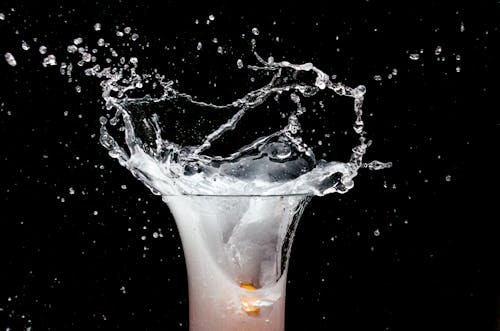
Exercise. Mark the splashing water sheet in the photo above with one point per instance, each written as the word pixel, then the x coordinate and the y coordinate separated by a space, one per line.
pixel 277 164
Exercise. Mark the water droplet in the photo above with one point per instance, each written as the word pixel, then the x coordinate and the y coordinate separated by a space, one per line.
pixel 239 63
pixel 438 50
pixel 97 27
pixel 458 57
pixel 376 233
pixel 71 191
pixel 78 88
pixel 24 45
pixel 215 40
pixel 135 36
pixel 11 60
pixel 77 41
pixel 211 17
pixel 295 98
pixel 220 50
pixel 100 42
pixel 2 16
pixel 42 49
pixel 462 27
pixel 72 49
pixel 155 235
pixel 448 178
pixel 86 57
pixel 255 31
pixel 199 46
pixel 127 30
pixel 414 56
pixel 49 61
pixel 394 72
pixel 377 77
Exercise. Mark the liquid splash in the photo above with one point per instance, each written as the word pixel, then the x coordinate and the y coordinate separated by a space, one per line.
pixel 276 164
pixel 280 163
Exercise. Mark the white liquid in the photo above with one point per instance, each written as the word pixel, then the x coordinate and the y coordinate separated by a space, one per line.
pixel 230 242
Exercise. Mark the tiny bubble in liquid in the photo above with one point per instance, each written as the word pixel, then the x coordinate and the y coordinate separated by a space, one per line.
pixel 97 27
pixel 376 233
pixel 199 46
pixel 255 31
pixel 377 77
pixel 211 17
pixel 438 50
pixel 42 49
pixel 2 16
pixel 77 41
pixel 239 63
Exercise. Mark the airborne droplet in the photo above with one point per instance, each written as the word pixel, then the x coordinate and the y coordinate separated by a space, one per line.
pixel 25 46
pixel 49 61
pixel 414 56
pixel 11 60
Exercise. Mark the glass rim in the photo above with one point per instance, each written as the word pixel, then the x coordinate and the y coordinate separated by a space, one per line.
pixel 239 195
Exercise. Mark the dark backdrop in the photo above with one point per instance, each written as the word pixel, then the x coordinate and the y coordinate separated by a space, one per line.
pixel 410 248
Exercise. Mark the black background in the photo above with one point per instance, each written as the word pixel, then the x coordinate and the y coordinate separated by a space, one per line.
pixel 78 261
